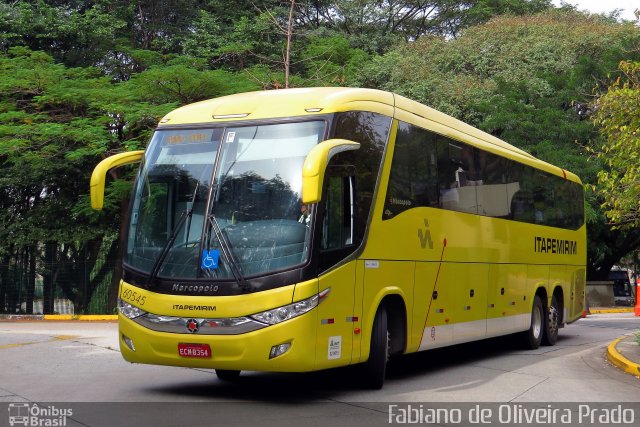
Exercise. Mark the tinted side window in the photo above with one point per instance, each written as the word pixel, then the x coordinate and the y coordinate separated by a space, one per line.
pixel 541 198
pixel 573 198
pixel 521 201
pixel 432 170
pixel 413 180
pixel 494 191
pixel 457 176
pixel 567 208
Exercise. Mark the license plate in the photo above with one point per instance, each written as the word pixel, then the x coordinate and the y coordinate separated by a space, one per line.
pixel 194 350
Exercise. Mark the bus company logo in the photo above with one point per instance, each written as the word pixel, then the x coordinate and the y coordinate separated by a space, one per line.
pixel 424 235
pixel 193 307
pixel 27 414
pixel 547 245
pixel 192 326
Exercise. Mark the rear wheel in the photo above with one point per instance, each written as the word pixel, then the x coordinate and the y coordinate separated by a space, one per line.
pixel 227 375
pixel 374 369
pixel 533 337
pixel 552 323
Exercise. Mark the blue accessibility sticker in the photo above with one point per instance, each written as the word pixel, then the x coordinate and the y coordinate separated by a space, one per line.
pixel 210 259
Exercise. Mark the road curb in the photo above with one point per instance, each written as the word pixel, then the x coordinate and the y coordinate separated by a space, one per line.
pixel 620 361
pixel 611 310
pixel 84 317
pixel 59 317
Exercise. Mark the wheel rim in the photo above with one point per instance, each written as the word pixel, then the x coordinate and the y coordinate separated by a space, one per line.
pixel 553 320
pixel 537 322
pixel 388 349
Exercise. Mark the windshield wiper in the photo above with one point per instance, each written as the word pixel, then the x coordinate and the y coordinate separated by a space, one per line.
pixel 185 215
pixel 165 249
pixel 190 208
pixel 227 253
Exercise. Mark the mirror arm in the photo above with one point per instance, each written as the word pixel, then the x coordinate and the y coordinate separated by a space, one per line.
pixel 98 177
pixel 315 166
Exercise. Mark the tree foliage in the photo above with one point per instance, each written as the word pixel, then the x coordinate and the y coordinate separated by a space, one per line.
pixel 56 124
pixel 617 113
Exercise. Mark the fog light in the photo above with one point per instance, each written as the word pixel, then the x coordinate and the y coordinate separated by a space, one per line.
pixel 278 350
pixel 129 342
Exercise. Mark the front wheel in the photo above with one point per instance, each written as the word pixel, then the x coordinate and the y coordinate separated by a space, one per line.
pixel 552 323
pixel 533 337
pixel 374 369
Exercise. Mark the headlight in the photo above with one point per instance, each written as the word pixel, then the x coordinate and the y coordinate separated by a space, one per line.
pixel 128 310
pixel 286 312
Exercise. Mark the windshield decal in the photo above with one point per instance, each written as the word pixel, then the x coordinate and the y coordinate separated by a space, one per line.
pixel 210 259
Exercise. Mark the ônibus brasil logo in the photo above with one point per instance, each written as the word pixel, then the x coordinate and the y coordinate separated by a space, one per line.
pixel 30 414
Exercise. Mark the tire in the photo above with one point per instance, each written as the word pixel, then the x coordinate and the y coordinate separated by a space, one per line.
pixel 551 323
pixel 227 375
pixel 533 337
pixel 375 369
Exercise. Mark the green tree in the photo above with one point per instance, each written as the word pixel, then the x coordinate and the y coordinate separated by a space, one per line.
pixel 56 124
pixel 77 33
pixel 45 117
pixel 617 114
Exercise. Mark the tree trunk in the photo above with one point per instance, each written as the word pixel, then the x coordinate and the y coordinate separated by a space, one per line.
pixel 48 278
pixel 31 277
pixel 116 261
pixel 287 56
pixel 4 283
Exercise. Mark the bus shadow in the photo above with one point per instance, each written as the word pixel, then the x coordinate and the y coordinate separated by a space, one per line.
pixel 330 384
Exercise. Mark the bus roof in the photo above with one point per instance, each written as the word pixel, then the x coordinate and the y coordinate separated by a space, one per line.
pixel 262 105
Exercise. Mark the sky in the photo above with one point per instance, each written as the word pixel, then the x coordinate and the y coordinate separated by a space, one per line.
pixel 599 6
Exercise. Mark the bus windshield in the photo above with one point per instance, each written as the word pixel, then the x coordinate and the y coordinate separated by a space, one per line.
pixel 245 180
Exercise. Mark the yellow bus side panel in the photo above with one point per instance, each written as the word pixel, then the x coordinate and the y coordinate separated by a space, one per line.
pixel 459 306
pixel 507 308
pixel 470 308
pixel 578 294
pixel 337 318
pixel 425 278
pixel 383 278
pixel 537 277
pixel 437 331
pixel 496 258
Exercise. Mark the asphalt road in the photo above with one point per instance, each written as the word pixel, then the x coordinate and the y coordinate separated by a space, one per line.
pixel 77 365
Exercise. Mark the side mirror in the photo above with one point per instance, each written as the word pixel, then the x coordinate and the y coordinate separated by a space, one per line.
pixel 99 174
pixel 315 166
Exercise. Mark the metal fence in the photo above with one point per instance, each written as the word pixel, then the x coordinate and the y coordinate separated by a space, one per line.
pixel 50 290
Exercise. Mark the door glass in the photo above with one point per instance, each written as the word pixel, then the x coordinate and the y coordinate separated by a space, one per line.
pixel 338 221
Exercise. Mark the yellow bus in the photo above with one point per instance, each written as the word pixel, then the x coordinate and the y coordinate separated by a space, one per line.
pixel 305 229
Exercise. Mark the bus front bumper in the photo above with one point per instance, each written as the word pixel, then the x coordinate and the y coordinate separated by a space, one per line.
pixel 246 351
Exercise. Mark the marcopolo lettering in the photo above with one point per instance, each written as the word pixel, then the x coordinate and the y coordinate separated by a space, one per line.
pixel 207 289
pixel 548 245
